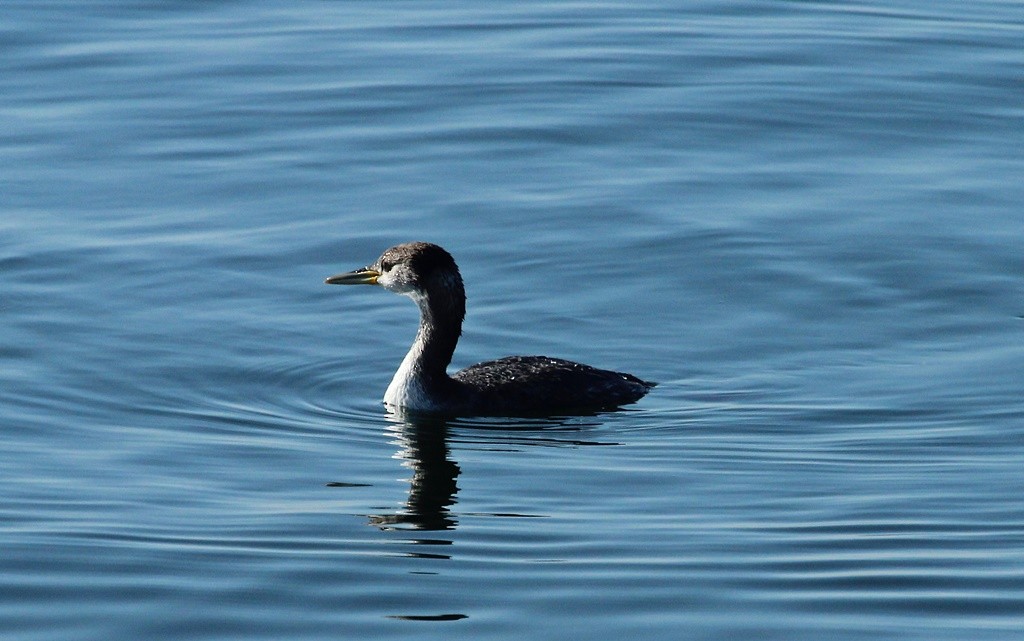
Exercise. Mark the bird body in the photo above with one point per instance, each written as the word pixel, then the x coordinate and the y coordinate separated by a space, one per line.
pixel 510 386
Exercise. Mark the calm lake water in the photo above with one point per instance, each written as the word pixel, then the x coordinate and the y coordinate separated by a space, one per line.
pixel 803 219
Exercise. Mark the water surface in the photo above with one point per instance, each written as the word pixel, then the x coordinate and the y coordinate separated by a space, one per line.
pixel 802 219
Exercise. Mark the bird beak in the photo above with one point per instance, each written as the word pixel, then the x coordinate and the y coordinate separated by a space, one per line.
pixel 364 276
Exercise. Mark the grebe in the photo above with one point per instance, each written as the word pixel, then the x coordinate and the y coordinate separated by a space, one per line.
pixel 511 386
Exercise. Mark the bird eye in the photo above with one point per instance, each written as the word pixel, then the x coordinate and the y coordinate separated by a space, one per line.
pixel 386 265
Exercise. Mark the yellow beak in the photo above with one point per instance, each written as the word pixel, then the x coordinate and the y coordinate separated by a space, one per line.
pixel 364 276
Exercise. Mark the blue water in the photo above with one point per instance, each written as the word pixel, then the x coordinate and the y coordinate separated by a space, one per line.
pixel 803 219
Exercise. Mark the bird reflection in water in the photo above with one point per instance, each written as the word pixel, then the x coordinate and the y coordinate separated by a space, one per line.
pixel 424 443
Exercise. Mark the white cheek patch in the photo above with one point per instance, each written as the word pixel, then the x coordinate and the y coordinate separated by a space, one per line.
pixel 386 280
pixel 393 281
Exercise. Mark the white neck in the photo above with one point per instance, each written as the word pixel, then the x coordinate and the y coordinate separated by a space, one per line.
pixel 406 388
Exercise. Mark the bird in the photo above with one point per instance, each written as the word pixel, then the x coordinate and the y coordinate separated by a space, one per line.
pixel 510 386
